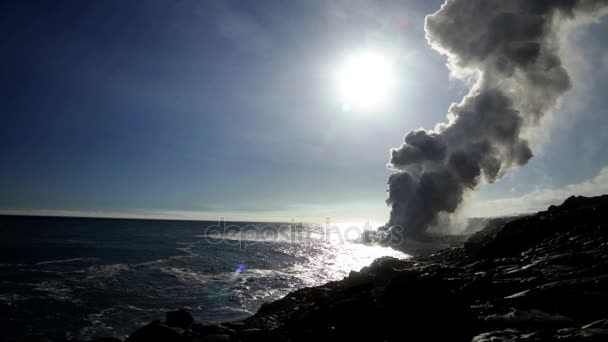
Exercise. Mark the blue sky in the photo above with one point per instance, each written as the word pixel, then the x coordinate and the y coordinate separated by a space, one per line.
pixel 191 109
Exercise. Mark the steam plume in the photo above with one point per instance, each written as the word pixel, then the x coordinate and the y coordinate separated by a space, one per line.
pixel 513 49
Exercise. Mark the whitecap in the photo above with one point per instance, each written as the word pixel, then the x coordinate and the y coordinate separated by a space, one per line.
pixel 187 276
pixel 106 271
pixel 11 298
pixel 56 290
pixel 64 261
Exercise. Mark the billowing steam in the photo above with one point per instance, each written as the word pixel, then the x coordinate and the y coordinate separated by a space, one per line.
pixel 512 48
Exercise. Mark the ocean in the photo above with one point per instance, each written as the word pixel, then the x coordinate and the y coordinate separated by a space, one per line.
pixel 82 278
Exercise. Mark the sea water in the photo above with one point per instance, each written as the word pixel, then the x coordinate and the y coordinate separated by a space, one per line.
pixel 81 278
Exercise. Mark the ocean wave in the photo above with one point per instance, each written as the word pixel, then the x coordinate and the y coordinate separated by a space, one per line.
pixel 12 265
pixel 246 237
pixel 39 270
pixel 97 324
pixel 112 270
pixel 225 309
pixel 11 298
pixel 60 261
pixel 187 276
pixel 56 290
pixel 188 246
pixel 106 271
pixel 160 261
pixel 137 308
pixel 83 242
pixel 262 273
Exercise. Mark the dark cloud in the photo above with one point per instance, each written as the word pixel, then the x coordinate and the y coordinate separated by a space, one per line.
pixel 513 48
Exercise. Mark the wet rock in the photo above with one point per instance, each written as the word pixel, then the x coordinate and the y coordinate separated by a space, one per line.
pixel 599 324
pixel 529 318
pixel 215 338
pixel 155 332
pixel 582 298
pixel 576 334
pixel 510 335
pixel 416 306
pixel 180 318
pixel 213 329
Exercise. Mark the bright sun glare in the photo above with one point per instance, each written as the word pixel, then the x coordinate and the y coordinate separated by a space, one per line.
pixel 365 81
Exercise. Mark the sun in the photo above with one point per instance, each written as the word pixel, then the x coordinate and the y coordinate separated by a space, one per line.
pixel 364 81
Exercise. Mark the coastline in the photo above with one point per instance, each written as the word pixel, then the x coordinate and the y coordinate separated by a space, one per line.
pixel 540 278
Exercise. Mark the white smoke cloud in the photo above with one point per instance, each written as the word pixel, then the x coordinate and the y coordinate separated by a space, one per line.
pixel 513 50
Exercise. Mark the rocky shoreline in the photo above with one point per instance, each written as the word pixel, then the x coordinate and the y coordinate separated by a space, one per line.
pixel 542 277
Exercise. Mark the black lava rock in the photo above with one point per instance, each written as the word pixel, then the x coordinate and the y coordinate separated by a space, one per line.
pixel 155 332
pixel 180 318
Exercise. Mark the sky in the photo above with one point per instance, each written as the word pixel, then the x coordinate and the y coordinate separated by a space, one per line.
pixel 207 109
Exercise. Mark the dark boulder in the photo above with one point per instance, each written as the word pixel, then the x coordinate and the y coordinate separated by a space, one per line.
pixel 179 318
pixel 155 332
pixel 424 309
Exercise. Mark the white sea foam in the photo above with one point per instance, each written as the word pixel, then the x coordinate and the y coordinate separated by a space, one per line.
pixel 11 298
pixel 97 324
pixel 160 261
pixel 106 271
pixel 56 290
pixel 187 276
pixel 137 308
pixel 60 261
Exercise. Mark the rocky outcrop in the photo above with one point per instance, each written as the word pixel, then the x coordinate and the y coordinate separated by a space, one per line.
pixel 542 277
pixel 180 319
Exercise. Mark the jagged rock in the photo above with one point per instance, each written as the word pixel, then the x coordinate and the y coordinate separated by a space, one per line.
pixel 179 318
pixel 215 338
pixel 213 329
pixel 599 324
pixel 529 318
pixel 155 332
pixel 576 334
pixel 417 305
pixel 510 335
